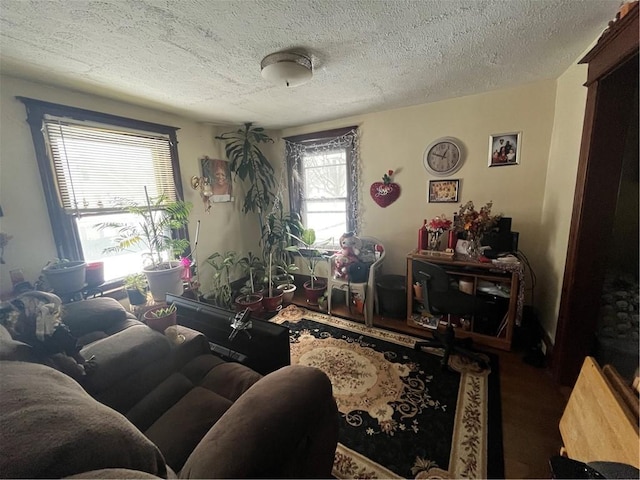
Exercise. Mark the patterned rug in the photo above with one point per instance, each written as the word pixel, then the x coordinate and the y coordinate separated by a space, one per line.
pixel 402 416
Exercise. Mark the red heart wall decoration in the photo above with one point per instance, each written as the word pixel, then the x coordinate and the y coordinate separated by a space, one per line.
pixel 386 192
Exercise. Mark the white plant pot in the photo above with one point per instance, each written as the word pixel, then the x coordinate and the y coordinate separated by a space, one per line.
pixel 289 290
pixel 163 281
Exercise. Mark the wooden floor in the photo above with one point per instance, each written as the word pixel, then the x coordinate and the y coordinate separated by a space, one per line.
pixel 531 408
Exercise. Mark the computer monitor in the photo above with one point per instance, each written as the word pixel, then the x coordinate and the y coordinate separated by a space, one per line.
pixel 264 347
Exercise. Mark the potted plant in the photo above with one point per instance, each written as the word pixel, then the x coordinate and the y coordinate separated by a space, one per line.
pixel 65 276
pixel 161 317
pixel 311 256
pixel 152 233
pixel 272 300
pixel 249 296
pixel 136 288
pixel 223 266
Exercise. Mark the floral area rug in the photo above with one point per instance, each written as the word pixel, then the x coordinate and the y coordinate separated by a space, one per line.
pixel 402 415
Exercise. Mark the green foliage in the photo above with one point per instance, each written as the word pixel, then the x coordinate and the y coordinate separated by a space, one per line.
pixel 310 252
pixel 277 232
pixel 156 220
pixel 248 163
pixel 223 266
pixel 135 281
pixel 164 311
pixel 253 267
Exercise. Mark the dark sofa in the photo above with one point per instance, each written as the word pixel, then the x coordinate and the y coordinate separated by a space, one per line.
pixel 150 408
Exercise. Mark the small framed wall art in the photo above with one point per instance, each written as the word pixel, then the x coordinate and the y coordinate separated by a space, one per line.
pixel 219 175
pixel 444 191
pixel 504 149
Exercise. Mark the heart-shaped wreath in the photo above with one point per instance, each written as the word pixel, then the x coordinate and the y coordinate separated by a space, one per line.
pixel 386 192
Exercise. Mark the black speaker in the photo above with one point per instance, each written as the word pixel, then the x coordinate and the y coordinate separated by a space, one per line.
pixel 500 242
pixel 504 225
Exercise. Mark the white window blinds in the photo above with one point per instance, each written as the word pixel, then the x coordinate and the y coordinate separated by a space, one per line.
pixel 98 166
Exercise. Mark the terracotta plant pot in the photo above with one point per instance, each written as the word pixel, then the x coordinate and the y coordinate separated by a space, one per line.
pixel 252 301
pixel 313 294
pixel 273 304
pixel 159 324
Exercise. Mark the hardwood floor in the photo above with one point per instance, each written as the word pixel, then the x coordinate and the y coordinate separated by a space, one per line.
pixel 531 406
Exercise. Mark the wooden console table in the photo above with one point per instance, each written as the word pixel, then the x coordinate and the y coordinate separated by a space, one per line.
pixel 507 277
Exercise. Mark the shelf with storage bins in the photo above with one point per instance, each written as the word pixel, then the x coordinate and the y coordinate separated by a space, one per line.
pixel 500 283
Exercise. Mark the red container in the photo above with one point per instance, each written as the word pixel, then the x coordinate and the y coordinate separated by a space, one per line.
pixel 451 243
pixel 423 237
pixel 95 274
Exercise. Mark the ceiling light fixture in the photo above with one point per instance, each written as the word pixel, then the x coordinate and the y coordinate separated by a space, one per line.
pixel 286 69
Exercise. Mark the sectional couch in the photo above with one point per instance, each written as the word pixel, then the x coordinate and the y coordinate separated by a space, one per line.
pixel 150 408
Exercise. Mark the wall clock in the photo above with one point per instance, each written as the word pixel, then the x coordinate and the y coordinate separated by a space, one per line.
pixel 443 157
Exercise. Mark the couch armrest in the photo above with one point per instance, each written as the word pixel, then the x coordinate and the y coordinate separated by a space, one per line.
pixel 87 316
pixel 293 433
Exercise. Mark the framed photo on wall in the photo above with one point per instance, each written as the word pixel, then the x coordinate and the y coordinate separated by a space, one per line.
pixel 504 149
pixel 219 175
pixel 444 191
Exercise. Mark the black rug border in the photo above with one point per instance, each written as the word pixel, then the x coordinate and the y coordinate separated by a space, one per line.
pixel 495 444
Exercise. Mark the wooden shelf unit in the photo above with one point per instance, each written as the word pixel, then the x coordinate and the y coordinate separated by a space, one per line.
pixel 510 276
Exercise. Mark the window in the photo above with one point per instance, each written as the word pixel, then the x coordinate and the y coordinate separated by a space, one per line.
pixel 90 164
pixel 323 181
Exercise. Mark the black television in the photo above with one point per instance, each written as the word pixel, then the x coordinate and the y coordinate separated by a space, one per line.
pixel 264 347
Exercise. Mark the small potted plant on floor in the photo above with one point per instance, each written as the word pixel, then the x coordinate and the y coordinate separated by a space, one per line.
pixel 249 297
pixel 161 317
pixel 312 255
pixel 136 288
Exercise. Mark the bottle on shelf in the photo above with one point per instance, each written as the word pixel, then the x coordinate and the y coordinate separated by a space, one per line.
pixel 423 237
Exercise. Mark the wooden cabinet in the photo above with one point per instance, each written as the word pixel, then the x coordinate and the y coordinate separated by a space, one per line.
pixel 502 284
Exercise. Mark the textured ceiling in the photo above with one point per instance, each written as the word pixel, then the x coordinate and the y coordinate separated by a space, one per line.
pixel 201 58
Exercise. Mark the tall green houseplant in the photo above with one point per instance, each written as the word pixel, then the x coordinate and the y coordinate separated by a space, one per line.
pixel 251 166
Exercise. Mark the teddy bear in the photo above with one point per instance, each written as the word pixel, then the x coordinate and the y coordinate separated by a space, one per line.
pixel 350 246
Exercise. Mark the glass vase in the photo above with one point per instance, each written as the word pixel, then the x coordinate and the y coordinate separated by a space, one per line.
pixel 434 240
pixel 473 245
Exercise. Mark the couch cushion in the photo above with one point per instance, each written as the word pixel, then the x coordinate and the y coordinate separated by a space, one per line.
pixel 122 354
pixel 50 427
pixel 11 349
pixel 93 314
pixel 180 429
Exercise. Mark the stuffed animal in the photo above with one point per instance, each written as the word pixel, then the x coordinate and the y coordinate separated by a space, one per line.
pixel 350 249
pixel 34 318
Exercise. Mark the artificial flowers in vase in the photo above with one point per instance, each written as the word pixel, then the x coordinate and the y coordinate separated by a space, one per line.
pixel 436 227
pixel 475 223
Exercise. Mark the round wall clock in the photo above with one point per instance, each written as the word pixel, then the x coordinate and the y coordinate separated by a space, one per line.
pixel 443 157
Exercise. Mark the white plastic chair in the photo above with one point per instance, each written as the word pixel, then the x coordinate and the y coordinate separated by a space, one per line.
pixel 367 290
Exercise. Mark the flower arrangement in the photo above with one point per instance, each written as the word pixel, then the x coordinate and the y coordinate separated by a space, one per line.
pixel 474 222
pixel 439 224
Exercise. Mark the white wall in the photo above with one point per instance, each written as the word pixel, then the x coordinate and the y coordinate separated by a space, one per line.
pixel 22 198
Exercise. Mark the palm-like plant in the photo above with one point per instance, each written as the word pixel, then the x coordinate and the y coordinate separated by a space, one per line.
pixel 253 266
pixel 249 163
pixel 153 231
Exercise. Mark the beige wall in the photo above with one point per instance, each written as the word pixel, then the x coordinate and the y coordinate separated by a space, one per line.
pixel 559 192
pixel 22 198
pixel 537 194
pixel 396 140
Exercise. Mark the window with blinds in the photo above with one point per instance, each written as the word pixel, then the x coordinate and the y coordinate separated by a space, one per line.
pixel 97 167
pixel 92 164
